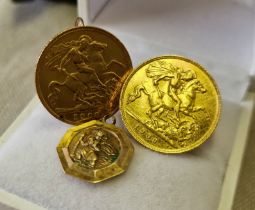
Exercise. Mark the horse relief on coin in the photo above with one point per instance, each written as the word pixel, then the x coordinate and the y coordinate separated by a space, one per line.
pixel 80 74
pixel 170 104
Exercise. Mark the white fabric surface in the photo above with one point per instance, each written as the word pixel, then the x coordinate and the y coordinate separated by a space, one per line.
pixel 218 34
pixel 232 80
pixel 30 168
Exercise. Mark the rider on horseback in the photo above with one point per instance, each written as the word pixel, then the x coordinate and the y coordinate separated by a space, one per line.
pixel 176 78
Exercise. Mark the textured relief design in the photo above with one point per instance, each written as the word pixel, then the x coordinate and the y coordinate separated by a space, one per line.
pixel 94 148
pixel 87 85
pixel 173 114
pixel 95 151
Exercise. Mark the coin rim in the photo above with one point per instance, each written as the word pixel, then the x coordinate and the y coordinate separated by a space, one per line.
pixel 58 36
pixel 171 151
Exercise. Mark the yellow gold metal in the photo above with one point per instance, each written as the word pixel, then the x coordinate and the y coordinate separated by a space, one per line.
pixel 170 104
pixel 95 151
pixel 80 74
pixel 79 77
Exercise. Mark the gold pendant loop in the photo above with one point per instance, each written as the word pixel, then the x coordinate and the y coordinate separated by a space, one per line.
pixel 79 22
pixel 113 119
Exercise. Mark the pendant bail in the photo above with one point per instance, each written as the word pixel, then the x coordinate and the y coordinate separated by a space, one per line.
pixel 79 22
pixel 113 119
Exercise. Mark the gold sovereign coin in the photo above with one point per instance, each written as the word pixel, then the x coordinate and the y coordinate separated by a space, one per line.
pixel 170 104
pixel 80 73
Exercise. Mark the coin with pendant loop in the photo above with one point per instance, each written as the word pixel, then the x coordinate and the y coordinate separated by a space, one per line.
pixel 80 74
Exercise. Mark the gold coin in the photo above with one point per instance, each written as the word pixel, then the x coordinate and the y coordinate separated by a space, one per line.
pixel 170 104
pixel 80 73
pixel 95 151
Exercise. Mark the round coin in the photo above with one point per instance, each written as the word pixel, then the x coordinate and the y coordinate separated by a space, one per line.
pixel 80 73
pixel 170 104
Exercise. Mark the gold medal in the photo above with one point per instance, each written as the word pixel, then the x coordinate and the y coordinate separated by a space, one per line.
pixel 170 104
pixel 79 77
pixel 95 151
pixel 80 74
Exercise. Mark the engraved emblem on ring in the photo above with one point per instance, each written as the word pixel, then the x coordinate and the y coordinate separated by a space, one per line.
pixel 94 148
